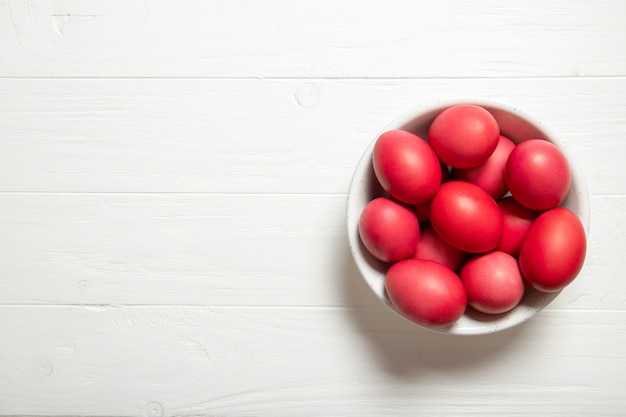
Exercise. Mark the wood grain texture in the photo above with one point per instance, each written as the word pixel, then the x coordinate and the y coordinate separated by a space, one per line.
pixel 258 136
pixel 174 249
pixel 272 250
pixel 276 38
pixel 233 361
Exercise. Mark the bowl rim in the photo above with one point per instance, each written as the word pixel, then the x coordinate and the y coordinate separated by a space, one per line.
pixel 473 322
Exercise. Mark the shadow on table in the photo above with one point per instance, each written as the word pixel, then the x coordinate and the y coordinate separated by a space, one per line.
pixel 404 349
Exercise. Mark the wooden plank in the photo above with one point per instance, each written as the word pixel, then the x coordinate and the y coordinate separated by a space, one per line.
pixel 449 38
pixel 169 249
pixel 258 136
pixel 170 361
pixel 205 249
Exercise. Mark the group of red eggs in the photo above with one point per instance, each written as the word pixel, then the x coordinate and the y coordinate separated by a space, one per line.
pixel 470 218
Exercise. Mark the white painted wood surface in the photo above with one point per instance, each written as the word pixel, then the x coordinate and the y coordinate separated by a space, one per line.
pixel 172 192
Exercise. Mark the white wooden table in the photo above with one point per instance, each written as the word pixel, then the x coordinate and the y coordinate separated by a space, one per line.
pixel 173 177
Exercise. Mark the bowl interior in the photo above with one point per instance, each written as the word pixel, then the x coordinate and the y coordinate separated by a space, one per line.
pixel 364 187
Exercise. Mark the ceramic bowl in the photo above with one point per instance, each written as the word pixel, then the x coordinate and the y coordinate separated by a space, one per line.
pixel 514 124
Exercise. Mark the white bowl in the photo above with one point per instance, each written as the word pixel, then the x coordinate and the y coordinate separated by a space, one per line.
pixel 364 187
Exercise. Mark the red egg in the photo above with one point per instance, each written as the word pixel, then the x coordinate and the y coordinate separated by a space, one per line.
pixel 426 292
pixel 432 248
pixel 553 251
pixel 517 221
pixel 406 166
pixel 538 175
pixel 464 136
pixel 466 217
pixel 389 230
pixel 489 175
pixel 493 282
